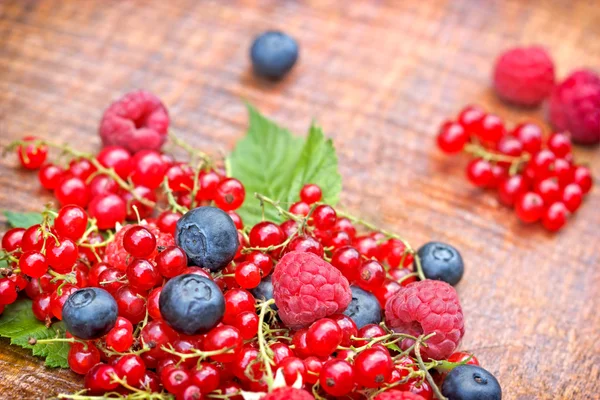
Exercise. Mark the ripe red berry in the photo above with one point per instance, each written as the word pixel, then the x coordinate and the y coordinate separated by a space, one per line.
pixel 549 190
pixel 460 356
pixel 237 220
pixel 337 377
pixel 262 261
pixel 72 190
pixel 368 332
pixel 142 274
pixel 171 262
pixel 237 301
pixel 479 172
pixel 324 217
pixel 583 177
pixel 310 193
pixel 511 189
pixel 82 358
pixel 559 144
pixel 71 222
pixel 347 326
pixel 99 379
pixel 131 368
pixel 149 169
pixel 323 337
pixel 563 171
pixel 530 135
pixel 61 254
pixel 530 207
pixel 12 239
pixel 300 208
pixel 470 118
pixel 247 324
pixel 491 129
pixel 139 242
pixel 292 367
pixel 222 337
pixel 131 303
pixel 209 182
pixel 370 275
pixel 117 158
pixel 175 380
pixel 41 306
pixel 33 264
pixel 452 137
pixel 373 367
pixel 81 168
pixel 120 338
pixel 32 156
pixel 230 194
pixel 108 210
pixel 50 176
pixel 347 260
pixel 180 177
pixel 59 298
pixel 8 291
pixel 167 221
pixel 102 185
pixel 281 351
pixel 131 203
pixel 509 146
pixel 542 163
pixel 160 334
pixel 572 196
pixel 555 217
pixel 265 234
pixel 206 376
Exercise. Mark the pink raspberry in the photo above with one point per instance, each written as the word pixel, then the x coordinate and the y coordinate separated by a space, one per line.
pixel 398 395
pixel 425 307
pixel 288 393
pixel 117 257
pixel 136 121
pixel 307 288
pixel 575 106
pixel 524 75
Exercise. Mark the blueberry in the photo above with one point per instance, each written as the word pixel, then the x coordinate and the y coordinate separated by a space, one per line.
pixel 273 54
pixel 470 382
pixel 191 304
pixel 264 291
pixel 208 236
pixel 90 313
pixel 364 308
pixel 441 262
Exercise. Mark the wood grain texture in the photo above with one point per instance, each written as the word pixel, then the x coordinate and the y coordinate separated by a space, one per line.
pixel 379 77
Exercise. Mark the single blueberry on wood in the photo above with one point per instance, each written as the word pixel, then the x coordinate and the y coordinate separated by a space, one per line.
pixel 441 262
pixel 273 54
pixel 471 382
pixel 191 304
pixel 364 308
pixel 208 236
pixel 90 313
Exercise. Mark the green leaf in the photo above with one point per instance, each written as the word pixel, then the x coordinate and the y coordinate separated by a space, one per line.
pixel 19 324
pixel 22 220
pixel 271 161
pixel 447 366
pixel 393 346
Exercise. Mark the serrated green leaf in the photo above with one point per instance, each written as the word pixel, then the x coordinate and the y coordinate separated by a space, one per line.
pixel 22 220
pixel 447 366
pixel 393 346
pixel 19 324
pixel 271 161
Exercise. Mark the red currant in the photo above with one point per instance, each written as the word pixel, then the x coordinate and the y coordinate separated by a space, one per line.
pixel 452 137
pixel 262 261
pixel 509 146
pixel 310 193
pixel 148 169
pixel 230 194
pixel 160 334
pixel 108 210
pixel 555 217
pixel 59 298
pixel 175 380
pixel 265 234
pixel 130 367
pixel 209 182
pixel 131 304
pixel 8 291
pixel 142 274
pixel 207 377
pixel 511 189
pixel 530 135
pixel 324 217
pixel 373 367
pixel 82 358
pixel 370 275
pixel 81 168
pixel 530 207
pixel 323 337
pixel 542 163
pixel 549 190
pixel 50 176
pixel 347 260
pixel 305 244
pixel 247 324
pixel 479 172
pixel 237 220
pixel 72 190
pixel 167 221
pixel 131 203
pixel 347 326
pixel 300 208
pixel 470 118
pixel 71 222
pixel 99 379
pixel 117 158
pixel 572 196
pixel 61 255
pixel 491 129
pixel 559 144
pixel 460 357
pixel 41 307
pixel 33 264
pixel 221 337
pixel 247 275
pixel 237 301
pixel 180 177
pixel 281 351
pixel 11 241
pixel 292 369
pixel 32 156
pixel 583 177
pixel 139 242
pixel 337 377
pixel 171 262
pixel 368 332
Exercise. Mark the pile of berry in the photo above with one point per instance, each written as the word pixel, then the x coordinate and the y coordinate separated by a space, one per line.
pixel 187 302
pixel 536 175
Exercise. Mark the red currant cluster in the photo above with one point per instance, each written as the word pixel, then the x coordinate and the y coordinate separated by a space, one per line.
pixel 536 175
pixel 251 350
pixel 116 186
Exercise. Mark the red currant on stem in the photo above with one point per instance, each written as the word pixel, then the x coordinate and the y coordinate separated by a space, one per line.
pixel 230 194
pixel 555 217
pixel 59 298
pixel 583 177
pixel 142 274
pixel 82 358
pixel 530 135
pixel 348 328
pixel 491 129
pixel 337 377
pixel 373 367
pixel 117 158
pixel 139 242
pixel 108 210
pixel 81 168
pixel 452 137
pixel 41 307
pixel 559 144
pixel 32 156
pixel 460 356
pixel 530 207
pixel 167 221
pixel 72 190
pixel 572 196
pixel 324 217
pixel 207 377
pixel 371 275
pixel 300 208
pixel 291 367
pixel 323 337
pixel 310 193
pixel 479 172
pixel 50 176
pixel 265 234
pixel 306 244
pixel 248 275
pixel 12 239
pixel 470 118
pixel 99 379
pixel 71 222
pixel 8 291
pixel 131 304
pixel 148 169
pixel 130 367
pixel 33 264
pixel 247 324
pixel 171 262
pixel 61 254
pixel 224 337
pixel 237 301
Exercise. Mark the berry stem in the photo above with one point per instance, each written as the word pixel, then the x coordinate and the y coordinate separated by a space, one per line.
pixel 262 345
pixel 175 207
pixel 422 366
pixel 193 152
pixel 195 353
pixel 479 151
pixel 264 199
pixel 33 341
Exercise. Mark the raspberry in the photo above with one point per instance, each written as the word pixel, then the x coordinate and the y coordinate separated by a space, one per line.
pixel 288 393
pixel 398 395
pixel 575 106
pixel 307 288
pixel 136 121
pixel 118 257
pixel 426 307
pixel 524 75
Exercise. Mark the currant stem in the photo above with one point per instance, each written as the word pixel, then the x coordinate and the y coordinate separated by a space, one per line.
pixel 262 343
pixel 422 366
pixel 195 353
pixel 193 152
pixel 479 151
pixel 275 204
pixel 175 207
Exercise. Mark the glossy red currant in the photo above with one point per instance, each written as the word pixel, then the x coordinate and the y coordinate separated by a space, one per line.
pixel 139 242
pixel 479 172
pixel 452 137
pixel 50 176
pixel 530 207
pixel 33 155
pixel 230 194
pixel 311 193
pixel 373 367
pixel 33 264
pixel 337 377
pixel 323 337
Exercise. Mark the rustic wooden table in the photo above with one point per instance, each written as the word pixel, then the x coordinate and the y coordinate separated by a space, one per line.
pixel 379 77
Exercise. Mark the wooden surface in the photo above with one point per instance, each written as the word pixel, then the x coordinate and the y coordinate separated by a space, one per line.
pixel 380 77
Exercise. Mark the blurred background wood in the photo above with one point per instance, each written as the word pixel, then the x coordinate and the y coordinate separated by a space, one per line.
pixel 379 77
